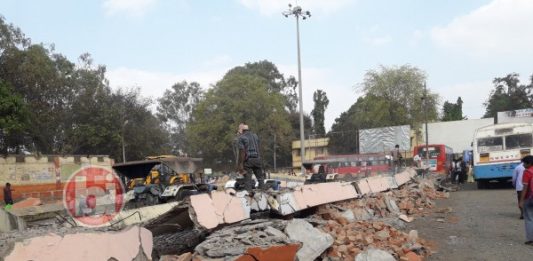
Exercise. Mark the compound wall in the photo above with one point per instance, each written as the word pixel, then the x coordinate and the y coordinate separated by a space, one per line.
pixel 43 177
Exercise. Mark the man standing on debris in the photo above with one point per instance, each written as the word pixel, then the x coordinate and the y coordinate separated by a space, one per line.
pixel 526 198
pixel 518 173
pixel 249 158
pixel 8 196
pixel 396 158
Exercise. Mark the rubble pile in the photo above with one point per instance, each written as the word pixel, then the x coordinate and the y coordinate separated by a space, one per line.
pixel 374 222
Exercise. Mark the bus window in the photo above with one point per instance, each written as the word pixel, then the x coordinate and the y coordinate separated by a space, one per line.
pixel 490 144
pixel 518 141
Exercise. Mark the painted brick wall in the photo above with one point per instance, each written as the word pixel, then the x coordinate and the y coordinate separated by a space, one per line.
pixel 43 177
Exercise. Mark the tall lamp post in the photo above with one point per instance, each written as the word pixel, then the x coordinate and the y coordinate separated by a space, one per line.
pixel 297 12
pixel 425 98
pixel 123 145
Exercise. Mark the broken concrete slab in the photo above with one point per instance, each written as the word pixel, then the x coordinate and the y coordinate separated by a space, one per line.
pixel 134 243
pixel 311 195
pixel 28 202
pixel 10 222
pixel 234 241
pixel 314 241
pixel 363 187
pixel 378 184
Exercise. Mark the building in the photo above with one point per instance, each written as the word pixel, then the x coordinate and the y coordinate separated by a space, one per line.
pixel 313 148
pixel 457 135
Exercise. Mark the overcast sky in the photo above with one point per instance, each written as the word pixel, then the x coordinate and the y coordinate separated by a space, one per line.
pixel 151 44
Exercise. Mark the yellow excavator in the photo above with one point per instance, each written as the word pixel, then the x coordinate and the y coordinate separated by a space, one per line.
pixel 159 178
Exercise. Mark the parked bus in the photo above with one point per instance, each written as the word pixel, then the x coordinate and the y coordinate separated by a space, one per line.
pixel 440 156
pixel 498 149
pixel 349 164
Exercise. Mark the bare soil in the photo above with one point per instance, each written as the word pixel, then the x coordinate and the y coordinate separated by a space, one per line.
pixel 483 225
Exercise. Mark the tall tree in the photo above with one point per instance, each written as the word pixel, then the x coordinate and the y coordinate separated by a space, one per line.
pixel 275 81
pixel 508 94
pixel 453 111
pixel 392 96
pixel 212 131
pixel 13 120
pixel 321 104
pixel 175 109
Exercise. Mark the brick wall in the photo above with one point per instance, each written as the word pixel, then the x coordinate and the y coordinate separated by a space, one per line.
pixel 43 177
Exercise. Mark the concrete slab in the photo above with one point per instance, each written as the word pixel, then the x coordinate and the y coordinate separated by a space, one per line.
pixel 10 222
pixel 378 184
pixel 363 187
pixel 139 215
pixel 205 213
pixel 133 243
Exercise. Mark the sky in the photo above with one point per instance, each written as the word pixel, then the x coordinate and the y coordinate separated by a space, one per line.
pixel 462 45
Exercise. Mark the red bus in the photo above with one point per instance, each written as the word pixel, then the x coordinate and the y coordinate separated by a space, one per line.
pixel 349 164
pixel 440 156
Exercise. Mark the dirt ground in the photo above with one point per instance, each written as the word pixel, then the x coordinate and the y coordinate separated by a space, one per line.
pixel 483 225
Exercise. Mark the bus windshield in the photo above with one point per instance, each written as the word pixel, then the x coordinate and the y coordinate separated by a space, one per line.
pixel 519 141
pixel 490 144
pixel 434 152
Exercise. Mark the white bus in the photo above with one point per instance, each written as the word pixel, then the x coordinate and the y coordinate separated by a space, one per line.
pixel 498 149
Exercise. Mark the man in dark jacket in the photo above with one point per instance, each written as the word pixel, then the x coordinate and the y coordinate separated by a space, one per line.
pixel 249 158
pixel 8 197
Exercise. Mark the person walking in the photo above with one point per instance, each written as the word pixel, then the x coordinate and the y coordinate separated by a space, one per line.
pixel 249 158
pixel 518 173
pixel 526 198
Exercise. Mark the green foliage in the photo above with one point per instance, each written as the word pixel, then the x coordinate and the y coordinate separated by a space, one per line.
pixel 508 94
pixel 392 96
pixel 13 119
pixel 70 109
pixel 238 97
pixel 275 81
pixel 175 109
pixel 453 111
pixel 321 103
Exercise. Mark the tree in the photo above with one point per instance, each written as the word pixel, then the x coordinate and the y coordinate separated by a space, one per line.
pixel 392 96
pixel 212 131
pixel 175 109
pixel 453 111
pixel 275 81
pixel 508 94
pixel 403 89
pixel 13 120
pixel 321 103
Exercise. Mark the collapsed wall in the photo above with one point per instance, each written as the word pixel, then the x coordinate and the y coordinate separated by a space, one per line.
pixel 207 222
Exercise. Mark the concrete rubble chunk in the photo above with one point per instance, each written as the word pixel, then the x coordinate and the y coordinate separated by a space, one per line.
pixel 131 244
pixel 235 240
pixel 373 254
pixel 348 215
pixel 314 241
pixel 405 218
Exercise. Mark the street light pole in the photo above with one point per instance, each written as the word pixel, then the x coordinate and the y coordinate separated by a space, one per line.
pixel 298 12
pixel 426 120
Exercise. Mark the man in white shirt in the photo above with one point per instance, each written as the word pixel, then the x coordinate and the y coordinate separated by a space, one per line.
pixel 518 172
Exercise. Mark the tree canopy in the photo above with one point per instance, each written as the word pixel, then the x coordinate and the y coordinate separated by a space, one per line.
pixel 453 111
pixel 508 94
pixel 55 106
pixel 238 97
pixel 391 96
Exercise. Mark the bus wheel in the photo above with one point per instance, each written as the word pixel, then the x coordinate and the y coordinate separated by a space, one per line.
pixel 481 184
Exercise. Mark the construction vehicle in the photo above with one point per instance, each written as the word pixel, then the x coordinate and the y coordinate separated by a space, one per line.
pixel 159 179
